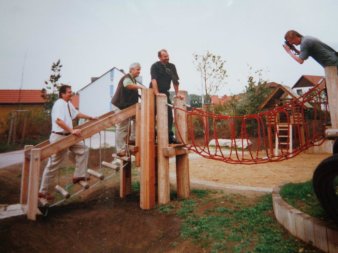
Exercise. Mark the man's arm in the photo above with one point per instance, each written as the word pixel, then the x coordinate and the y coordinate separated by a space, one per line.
pixel 295 57
pixel 67 129
pixel 134 86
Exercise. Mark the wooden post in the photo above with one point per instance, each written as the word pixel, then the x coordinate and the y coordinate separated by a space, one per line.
pixel 125 179
pixel 138 134
pixel 332 91
pixel 147 144
pixel 33 184
pixel 182 161
pixel 162 142
pixel 25 176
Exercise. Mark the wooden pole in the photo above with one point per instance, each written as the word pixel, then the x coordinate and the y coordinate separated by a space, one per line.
pixel 125 179
pixel 332 91
pixel 182 161
pixel 138 134
pixel 25 176
pixel 147 144
pixel 162 142
pixel 33 184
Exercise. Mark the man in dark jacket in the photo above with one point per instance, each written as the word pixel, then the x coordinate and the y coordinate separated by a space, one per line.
pixel 162 74
pixel 126 95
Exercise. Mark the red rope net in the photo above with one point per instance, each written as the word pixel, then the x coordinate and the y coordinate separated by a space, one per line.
pixel 268 136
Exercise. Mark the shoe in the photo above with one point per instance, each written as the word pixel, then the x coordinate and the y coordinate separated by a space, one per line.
pixel 78 179
pixel 174 141
pixel 47 196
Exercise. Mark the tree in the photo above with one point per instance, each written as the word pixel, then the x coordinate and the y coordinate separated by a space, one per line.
pixel 213 73
pixel 50 93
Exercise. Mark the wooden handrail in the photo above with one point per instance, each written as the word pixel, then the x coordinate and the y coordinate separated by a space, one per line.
pixel 87 130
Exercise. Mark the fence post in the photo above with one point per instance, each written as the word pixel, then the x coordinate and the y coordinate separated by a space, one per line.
pixel 25 175
pixel 182 161
pixel 147 144
pixel 162 142
pixel 332 91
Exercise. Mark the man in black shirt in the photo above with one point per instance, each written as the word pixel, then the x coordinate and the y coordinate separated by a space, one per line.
pixel 162 74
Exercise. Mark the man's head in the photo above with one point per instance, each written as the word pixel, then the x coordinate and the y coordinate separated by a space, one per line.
pixel 163 56
pixel 293 37
pixel 135 69
pixel 65 92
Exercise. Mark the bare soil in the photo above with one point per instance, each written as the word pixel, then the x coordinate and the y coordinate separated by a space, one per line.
pixel 99 221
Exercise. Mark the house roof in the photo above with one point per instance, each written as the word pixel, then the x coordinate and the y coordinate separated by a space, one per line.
pixel 308 81
pixel 280 91
pixel 96 78
pixel 21 97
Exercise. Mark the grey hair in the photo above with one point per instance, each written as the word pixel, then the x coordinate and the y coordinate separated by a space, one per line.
pixel 134 65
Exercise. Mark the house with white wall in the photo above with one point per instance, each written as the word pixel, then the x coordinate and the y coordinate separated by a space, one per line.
pixel 95 98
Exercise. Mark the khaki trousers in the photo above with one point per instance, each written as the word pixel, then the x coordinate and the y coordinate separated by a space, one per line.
pixel 80 153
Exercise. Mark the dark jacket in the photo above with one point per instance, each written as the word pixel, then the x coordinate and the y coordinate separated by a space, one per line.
pixel 124 97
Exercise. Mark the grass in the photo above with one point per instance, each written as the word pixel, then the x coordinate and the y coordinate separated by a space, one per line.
pixel 232 223
pixel 302 197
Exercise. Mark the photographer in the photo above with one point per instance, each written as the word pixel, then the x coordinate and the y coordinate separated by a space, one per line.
pixel 309 46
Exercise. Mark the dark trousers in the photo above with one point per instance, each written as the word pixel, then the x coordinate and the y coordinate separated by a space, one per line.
pixel 170 119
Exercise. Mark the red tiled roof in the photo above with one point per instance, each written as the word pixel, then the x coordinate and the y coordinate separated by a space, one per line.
pixel 21 97
pixel 308 81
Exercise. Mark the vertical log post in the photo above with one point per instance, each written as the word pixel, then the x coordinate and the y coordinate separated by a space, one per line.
pixel 332 91
pixel 25 176
pixel 33 184
pixel 162 142
pixel 147 144
pixel 125 179
pixel 182 161
pixel 138 135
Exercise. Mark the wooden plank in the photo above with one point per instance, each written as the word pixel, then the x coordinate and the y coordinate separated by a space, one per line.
pixel 163 190
pixel 33 184
pixel 125 179
pixel 25 176
pixel 147 178
pixel 182 161
pixel 95 174
pixel 138 134
pixel 332 91
pixel 90 129
pixel 172 151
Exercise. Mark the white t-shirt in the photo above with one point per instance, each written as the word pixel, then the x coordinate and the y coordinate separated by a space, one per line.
pixel 60 110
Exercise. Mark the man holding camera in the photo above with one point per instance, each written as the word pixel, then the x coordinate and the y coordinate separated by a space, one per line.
pixel 309 46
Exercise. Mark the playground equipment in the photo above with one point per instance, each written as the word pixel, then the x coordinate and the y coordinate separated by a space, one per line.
pixel 325 177
pixel 153 173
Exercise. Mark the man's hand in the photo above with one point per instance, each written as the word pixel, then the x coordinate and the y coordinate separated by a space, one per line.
pixel 76 132
pixel 179 97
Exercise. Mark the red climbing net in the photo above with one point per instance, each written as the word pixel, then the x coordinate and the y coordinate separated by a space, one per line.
pixel 274 135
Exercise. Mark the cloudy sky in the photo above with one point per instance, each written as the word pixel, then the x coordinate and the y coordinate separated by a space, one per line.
pixel 92 36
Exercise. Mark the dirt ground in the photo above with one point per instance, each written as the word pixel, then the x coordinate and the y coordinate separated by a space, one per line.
pixel 100 221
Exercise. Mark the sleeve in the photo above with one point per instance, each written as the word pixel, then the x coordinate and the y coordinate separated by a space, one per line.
pixel 57 111
pixel 73 111
pixel 175 75
pixel 305 50
pixel 154 72
pixel 127 81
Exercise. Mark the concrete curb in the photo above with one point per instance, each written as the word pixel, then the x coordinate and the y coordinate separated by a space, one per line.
pixel 303 226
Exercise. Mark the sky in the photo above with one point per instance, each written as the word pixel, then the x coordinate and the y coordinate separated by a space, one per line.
pixel 92 36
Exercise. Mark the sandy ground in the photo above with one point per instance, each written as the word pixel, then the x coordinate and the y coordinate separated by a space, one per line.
pixel 296 169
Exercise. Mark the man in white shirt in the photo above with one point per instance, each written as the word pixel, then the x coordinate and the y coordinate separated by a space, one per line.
pixel 63 113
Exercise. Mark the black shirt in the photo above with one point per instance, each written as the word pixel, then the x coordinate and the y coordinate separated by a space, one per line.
pixel 164 74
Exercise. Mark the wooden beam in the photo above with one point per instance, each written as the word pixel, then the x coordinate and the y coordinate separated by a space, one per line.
pixel 182 161
pixel 138 134
pixel 163 190
pixel 147 179
pixel 90 129
pixel 33 184
pixel 172 151
pixel 25 176
pixel 332 91
pixel 125 179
